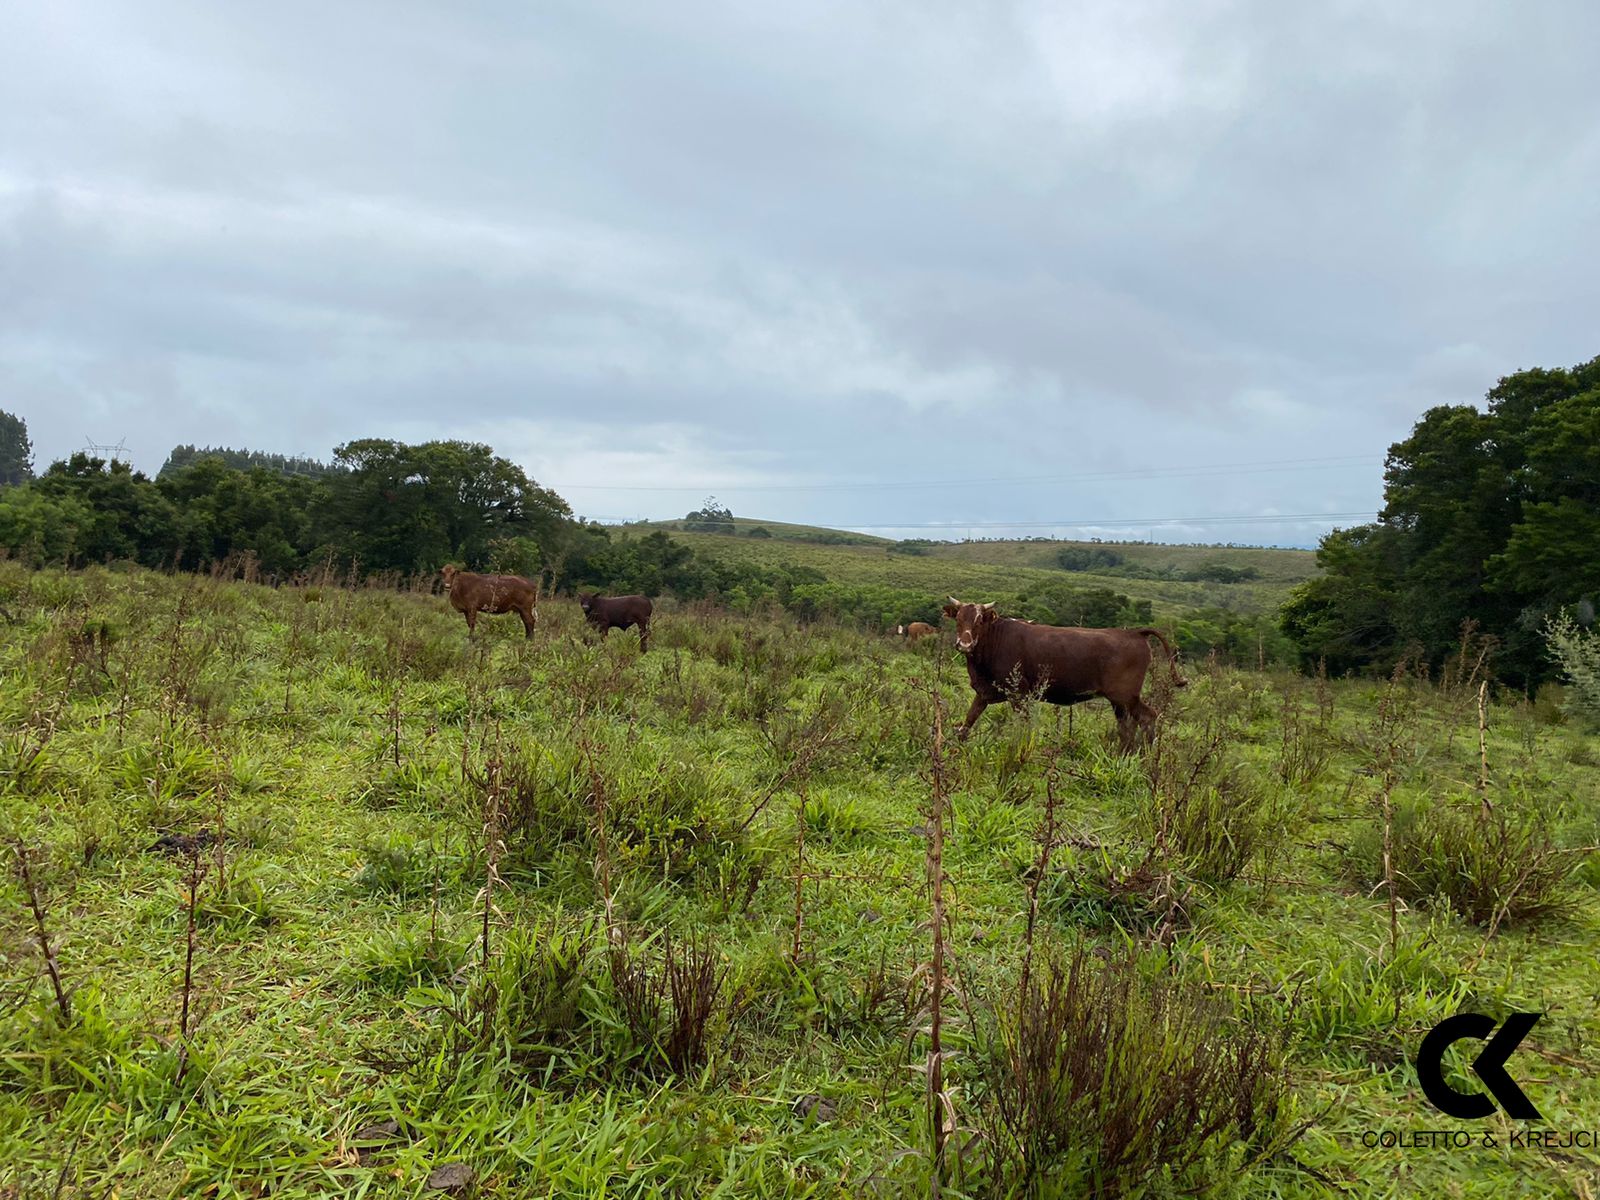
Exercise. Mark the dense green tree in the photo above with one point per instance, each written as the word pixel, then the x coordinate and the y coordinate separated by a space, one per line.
pixel 16 451
pixel 128 517
pixel 651 565
pixel 398 507
pixel 1489 515
pixel 40 529
pixel 223 511
pixel 1243 639
pixel 1346 617
pixel 1551 554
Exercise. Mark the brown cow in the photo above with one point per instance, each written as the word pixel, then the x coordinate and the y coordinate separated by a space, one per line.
pixel 606 613
pixel 915 631
pixel 1006 656
pixel 471 594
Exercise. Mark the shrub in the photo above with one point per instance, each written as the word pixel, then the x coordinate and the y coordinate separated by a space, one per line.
pixel 666 817
pixel 420 783
pixel 1057 603
pixel 669 1002
pixel 1103 893
pixel 1219 572
pixel 1486 865
pixel 1102 1081
pixel 992 831
pixel 1374 1003
pixel 1216 815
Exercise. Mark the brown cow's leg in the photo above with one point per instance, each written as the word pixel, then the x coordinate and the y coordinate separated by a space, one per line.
pixel 973 713
pixel 472 621
pixel 644 637
pixel 1125 725
pixel 1146 717
pixel 529 620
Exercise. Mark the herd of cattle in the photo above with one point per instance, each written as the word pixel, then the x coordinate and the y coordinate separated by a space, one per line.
pixel 1005 656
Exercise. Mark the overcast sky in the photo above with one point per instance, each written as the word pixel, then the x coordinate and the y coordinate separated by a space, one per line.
pixel 1081 266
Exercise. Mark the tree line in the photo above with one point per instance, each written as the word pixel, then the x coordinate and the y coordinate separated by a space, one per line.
pixel 1491 518
pixel 384 507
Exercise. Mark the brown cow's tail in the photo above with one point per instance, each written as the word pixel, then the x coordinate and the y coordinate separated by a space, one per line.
pixel 1178 680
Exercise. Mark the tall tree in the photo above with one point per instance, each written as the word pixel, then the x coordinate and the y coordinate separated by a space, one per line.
pixel 129 517
pixel 1490 514
pixel 222 511
pixel 413 508
pixel 16 451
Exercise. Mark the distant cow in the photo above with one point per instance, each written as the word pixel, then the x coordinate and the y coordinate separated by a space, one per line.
pixel 915 631
pixel 471 594
pixel 606 613
pixel 1062 665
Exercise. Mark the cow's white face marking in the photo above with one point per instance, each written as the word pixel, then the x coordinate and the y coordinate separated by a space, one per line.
pixel 969 619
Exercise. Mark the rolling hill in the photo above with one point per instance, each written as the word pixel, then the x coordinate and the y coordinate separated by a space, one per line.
pixel 1245 579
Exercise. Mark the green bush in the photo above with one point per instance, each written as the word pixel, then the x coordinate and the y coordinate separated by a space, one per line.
pixel 666 817
pixel 1484 865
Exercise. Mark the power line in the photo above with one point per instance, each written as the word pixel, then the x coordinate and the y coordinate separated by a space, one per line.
pixel 1176 472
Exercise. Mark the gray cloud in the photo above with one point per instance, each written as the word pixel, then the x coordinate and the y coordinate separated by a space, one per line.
pixel 733 247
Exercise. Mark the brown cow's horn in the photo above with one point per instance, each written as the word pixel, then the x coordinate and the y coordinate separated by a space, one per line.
pixel 954 601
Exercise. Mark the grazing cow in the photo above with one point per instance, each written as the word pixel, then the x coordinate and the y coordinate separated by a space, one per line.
pixel 471 594
pixel 606 613
pixel 1006 656
pixel 915 631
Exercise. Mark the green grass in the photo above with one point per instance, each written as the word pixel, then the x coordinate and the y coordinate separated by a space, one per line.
pixel 339 980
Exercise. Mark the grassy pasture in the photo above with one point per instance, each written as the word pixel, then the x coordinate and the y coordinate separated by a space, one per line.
pixel 981 570
pixel 586 923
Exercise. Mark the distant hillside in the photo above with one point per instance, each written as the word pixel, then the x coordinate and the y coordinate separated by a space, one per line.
pixel 1174 578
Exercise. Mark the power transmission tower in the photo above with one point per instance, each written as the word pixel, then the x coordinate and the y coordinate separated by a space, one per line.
pixel 110 452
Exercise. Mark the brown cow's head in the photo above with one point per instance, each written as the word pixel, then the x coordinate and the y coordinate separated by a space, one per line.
pixel 972 621
pixel 448 572
pixel 586 600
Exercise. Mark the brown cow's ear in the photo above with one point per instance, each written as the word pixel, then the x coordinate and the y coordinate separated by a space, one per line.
pixel 952 608
pixel 989 614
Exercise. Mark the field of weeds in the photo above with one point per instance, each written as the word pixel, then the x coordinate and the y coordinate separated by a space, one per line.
pixel 308 894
